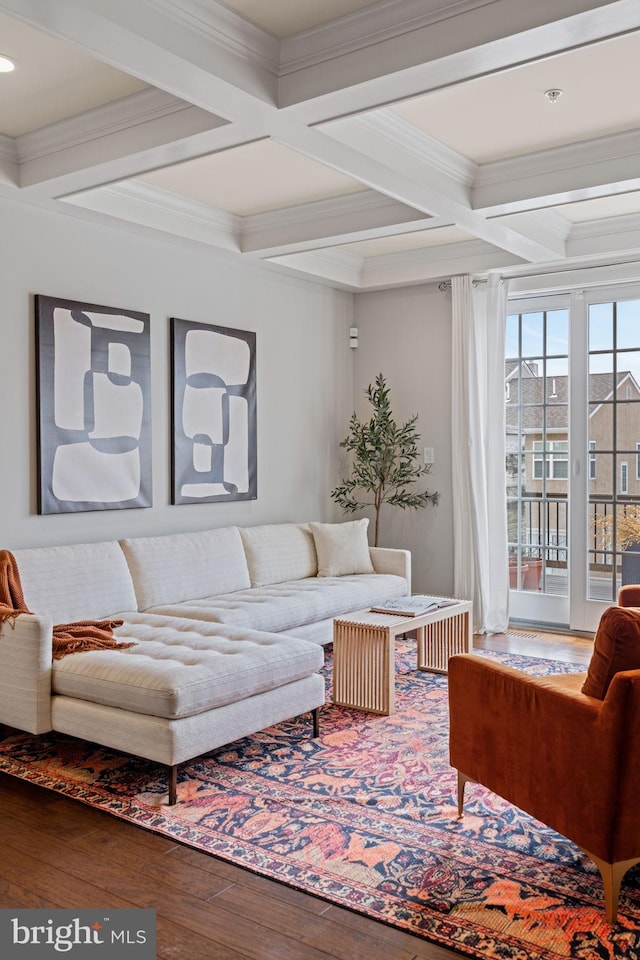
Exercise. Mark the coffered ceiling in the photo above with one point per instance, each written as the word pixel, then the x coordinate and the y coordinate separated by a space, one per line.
pixel 363 145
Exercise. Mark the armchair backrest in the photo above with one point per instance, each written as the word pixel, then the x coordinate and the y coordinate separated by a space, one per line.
pixel 624 693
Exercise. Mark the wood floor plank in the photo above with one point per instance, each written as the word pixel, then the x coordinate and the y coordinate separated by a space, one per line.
pixel 176 942
pixel 54 883
pixel 259 885
pixel 313 931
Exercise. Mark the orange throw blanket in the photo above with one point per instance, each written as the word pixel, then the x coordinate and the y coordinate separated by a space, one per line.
pixel 67 637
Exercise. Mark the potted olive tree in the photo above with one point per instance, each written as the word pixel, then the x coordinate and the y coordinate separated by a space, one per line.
pixel 385 462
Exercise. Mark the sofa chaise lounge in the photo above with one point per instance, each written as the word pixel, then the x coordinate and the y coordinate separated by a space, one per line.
pixel 227 628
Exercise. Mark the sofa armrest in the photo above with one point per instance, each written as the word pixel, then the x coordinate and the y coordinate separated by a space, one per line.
pixel 25 673
pixel 389 560
pixel 543 746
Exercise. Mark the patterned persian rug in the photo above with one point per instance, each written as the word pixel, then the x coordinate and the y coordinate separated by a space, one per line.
pixel 365 817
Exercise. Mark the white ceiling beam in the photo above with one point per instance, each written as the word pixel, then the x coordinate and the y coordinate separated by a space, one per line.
pixel 159 209
pixel 430 264
pixel 548 227
pixel 577 171
pixel 416 193
pixel 610 236
pixel 334 267
pixel 113 141
pixel 588 272
pixel 387 56
pixel 399 144
pixel 346 219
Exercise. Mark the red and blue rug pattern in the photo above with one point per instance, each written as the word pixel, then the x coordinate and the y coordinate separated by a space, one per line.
pixel 365 817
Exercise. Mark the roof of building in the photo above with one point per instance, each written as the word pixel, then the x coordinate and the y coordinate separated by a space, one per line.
pixel 526 398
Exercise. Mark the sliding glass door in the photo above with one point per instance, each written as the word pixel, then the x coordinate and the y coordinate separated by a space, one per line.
pixel 572 401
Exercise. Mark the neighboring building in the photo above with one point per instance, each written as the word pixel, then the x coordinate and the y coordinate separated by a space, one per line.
pixel 527 415
pixel 535 422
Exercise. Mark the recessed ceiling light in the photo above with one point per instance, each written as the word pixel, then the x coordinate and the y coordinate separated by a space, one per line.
pixel 6 64
pixel 553 95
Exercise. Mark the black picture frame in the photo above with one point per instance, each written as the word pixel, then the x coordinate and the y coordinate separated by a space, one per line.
pixel 93 383
pixel 214 413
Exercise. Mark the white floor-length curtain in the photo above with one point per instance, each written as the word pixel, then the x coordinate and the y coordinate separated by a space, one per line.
pixel 478 450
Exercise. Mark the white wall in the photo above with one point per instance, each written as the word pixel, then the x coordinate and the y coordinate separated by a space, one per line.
pixel 406 335
pixel 304 367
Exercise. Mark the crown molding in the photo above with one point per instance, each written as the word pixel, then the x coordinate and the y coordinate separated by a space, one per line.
pixel 351 204
pixel 586 272
pixel 570 156
pixel 419 145
pixel 429 264
pixel 111 118
pixel 328 223
pixel 607 226
pixel 9 168
pixel 462 250
pixel 337 267
pixel 152 206
pixel 8 149
pixel 578 171
pixel 581 154
pixel 177 205
pixel 225 28
pixel 605 236
pixel 385 20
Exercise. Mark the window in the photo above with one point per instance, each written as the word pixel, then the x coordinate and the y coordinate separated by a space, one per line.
pixel 637 461
pixel 624 477
pixel 507 392
pixel 592 459
pixel 557 459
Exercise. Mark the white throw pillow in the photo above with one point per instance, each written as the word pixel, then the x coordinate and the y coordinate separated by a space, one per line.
pixel 342 548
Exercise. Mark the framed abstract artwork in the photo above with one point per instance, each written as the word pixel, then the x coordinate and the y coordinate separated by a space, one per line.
pixel 94 407
pixel 214 452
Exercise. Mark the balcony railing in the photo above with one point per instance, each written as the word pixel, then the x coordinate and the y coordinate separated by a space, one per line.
pixel 538 531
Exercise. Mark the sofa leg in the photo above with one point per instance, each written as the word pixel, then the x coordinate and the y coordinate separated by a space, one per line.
pixel 316 722
pixel 173 784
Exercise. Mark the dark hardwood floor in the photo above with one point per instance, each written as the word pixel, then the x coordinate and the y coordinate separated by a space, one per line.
pixel 55 852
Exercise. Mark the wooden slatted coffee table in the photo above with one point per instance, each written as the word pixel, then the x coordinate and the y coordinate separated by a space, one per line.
pixel 364 651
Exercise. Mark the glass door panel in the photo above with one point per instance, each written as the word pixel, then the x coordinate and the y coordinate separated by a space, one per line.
pixel 613 518
pixel 537 462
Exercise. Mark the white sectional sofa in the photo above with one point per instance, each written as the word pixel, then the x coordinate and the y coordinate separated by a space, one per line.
pixel 227 628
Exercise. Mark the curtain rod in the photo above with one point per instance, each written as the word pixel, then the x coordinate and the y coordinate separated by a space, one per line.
pixel 446 284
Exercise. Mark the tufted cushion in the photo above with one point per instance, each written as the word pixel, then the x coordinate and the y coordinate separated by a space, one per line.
pixel 286 606
pixel 178 668
pixel 342 548
pixel 186 566
pixel 616 648
pixel 277 552
pixel 85 581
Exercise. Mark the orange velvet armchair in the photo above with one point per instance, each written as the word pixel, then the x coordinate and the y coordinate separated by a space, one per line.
pixel 568 758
